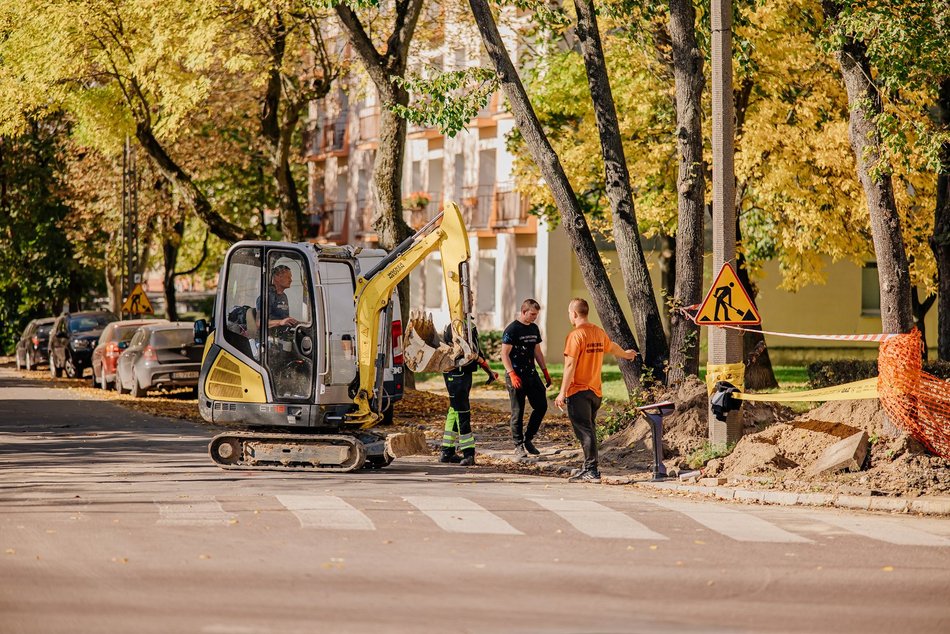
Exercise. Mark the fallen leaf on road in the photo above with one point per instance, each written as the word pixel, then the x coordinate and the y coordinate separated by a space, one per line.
pixel 888 568
pixel 118 560
pixel 10 551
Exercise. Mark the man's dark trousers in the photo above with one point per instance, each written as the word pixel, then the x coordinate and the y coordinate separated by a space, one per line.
pixel 582 410
pixel 533 389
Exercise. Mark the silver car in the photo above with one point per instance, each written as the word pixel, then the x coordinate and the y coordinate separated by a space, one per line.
pixel 159 356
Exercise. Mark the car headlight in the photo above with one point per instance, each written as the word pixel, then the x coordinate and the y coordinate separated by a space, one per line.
pixel 81 344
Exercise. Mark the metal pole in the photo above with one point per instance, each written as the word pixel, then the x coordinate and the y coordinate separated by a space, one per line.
pixel 725 346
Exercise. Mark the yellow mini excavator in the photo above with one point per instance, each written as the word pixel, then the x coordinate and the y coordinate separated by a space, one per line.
pixel 305 354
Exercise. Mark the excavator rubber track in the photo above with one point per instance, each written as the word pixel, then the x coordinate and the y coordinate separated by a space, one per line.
pixel 287 452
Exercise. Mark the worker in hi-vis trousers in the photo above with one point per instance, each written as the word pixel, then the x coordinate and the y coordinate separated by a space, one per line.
pixel 458 422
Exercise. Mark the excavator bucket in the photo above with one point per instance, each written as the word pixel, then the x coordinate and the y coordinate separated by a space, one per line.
pixel 426 352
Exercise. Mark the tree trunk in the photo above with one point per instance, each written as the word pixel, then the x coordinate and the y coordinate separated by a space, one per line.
pixel 864 102
pixel 171 244
pixel 940 241
pixel 690 188
pixel 759 374
pixel 667 275
pixel 633 265
pixel 186 188
pixel 572 218
pixel 277 134
pixel 921 308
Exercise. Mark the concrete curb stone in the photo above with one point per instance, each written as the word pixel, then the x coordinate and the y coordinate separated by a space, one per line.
pixel 923 506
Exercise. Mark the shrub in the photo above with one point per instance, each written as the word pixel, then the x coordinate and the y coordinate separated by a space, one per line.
pixel 828 373
pixel 490 343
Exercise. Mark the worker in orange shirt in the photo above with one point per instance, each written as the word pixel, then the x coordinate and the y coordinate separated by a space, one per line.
pixel 581 386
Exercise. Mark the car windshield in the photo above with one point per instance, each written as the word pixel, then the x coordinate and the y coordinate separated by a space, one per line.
pixel 172 338
pixel 44 329
pixel 89 322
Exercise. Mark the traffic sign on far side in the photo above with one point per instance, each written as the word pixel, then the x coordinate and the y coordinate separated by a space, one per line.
pixel 137 303
pixel 727 303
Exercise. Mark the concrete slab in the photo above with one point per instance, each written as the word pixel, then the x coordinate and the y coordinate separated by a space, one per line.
pixel 845 454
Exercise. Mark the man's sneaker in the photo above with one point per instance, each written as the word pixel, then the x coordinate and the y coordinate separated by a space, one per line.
pixel 450 457
pixel 520 451
pixel 531 449
pixel 586 476
pixel 467 461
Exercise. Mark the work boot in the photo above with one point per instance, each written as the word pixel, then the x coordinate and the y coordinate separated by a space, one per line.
pixel 449 456
pixel 520 452
pixel 589 476
pixel 468 460
pixel 530 448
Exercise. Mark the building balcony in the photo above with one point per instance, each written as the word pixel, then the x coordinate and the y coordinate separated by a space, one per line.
pixel 498 207
pixel 511 208
pixel 477 205
pixel 369 126
pixel 329 137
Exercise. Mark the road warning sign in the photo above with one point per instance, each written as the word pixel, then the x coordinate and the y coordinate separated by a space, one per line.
pixel 727 303
pixel 137 303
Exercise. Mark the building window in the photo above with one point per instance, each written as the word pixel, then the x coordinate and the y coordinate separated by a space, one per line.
pixel 485 286
pixel 870 290
pixel 524 278
pixel 433 284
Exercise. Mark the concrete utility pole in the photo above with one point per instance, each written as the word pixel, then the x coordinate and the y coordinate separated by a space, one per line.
pixel 725 346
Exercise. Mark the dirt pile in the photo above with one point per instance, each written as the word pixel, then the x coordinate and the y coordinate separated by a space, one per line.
pixel 781 454
pixel 685 431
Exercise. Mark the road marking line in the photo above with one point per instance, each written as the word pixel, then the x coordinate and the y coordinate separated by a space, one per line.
pixel 884 530
pixel 461 515
pixel 192 512
pixel 597 520
pixel 737 525
pixel 326 511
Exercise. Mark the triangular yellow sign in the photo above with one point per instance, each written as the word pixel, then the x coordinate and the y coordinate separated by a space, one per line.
pixel 727 303
pixel 137 303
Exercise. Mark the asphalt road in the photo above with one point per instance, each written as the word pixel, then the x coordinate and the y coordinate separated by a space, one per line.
pixel 114 521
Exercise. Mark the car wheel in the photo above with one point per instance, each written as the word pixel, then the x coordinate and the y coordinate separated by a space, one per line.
pixel 72 371
pixel 137 390
pixel 54 371
pixel 103 384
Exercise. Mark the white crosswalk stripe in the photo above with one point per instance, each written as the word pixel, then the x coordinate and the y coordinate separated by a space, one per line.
pixel 461 515
pixel 192 512
pixel 883 529
pixel 738 525
pixel 597 520
pixel 326 512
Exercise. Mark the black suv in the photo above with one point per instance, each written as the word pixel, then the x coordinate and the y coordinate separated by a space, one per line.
pixel 72 340
pixel 33 346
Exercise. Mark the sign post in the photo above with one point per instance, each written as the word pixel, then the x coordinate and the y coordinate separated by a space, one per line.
pixel 725 346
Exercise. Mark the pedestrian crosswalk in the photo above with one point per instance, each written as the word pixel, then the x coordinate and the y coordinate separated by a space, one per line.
pixel 653 520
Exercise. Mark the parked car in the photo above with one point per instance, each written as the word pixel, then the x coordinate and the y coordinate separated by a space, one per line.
pixel 74 335
pixel 33 347
pixel 160 356
pixel 113 340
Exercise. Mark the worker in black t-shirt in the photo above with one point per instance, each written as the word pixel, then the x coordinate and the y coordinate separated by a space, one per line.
pixel 519 352
pixel 458 420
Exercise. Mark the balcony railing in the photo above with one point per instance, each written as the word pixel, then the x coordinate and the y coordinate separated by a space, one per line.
pixel 477 204
pixel 511 208
pixel 329 135
pixel 369 125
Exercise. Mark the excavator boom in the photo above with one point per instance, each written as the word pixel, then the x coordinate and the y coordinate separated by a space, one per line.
pixel 446 232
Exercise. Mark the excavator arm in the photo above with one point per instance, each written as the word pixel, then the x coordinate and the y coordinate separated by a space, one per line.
pixel 446 232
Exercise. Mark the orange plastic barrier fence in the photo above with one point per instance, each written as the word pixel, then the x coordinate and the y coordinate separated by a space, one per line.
pixel 917 402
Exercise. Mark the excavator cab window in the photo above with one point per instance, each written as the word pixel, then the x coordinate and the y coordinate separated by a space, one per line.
pixel 241 324
pixel 285 311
